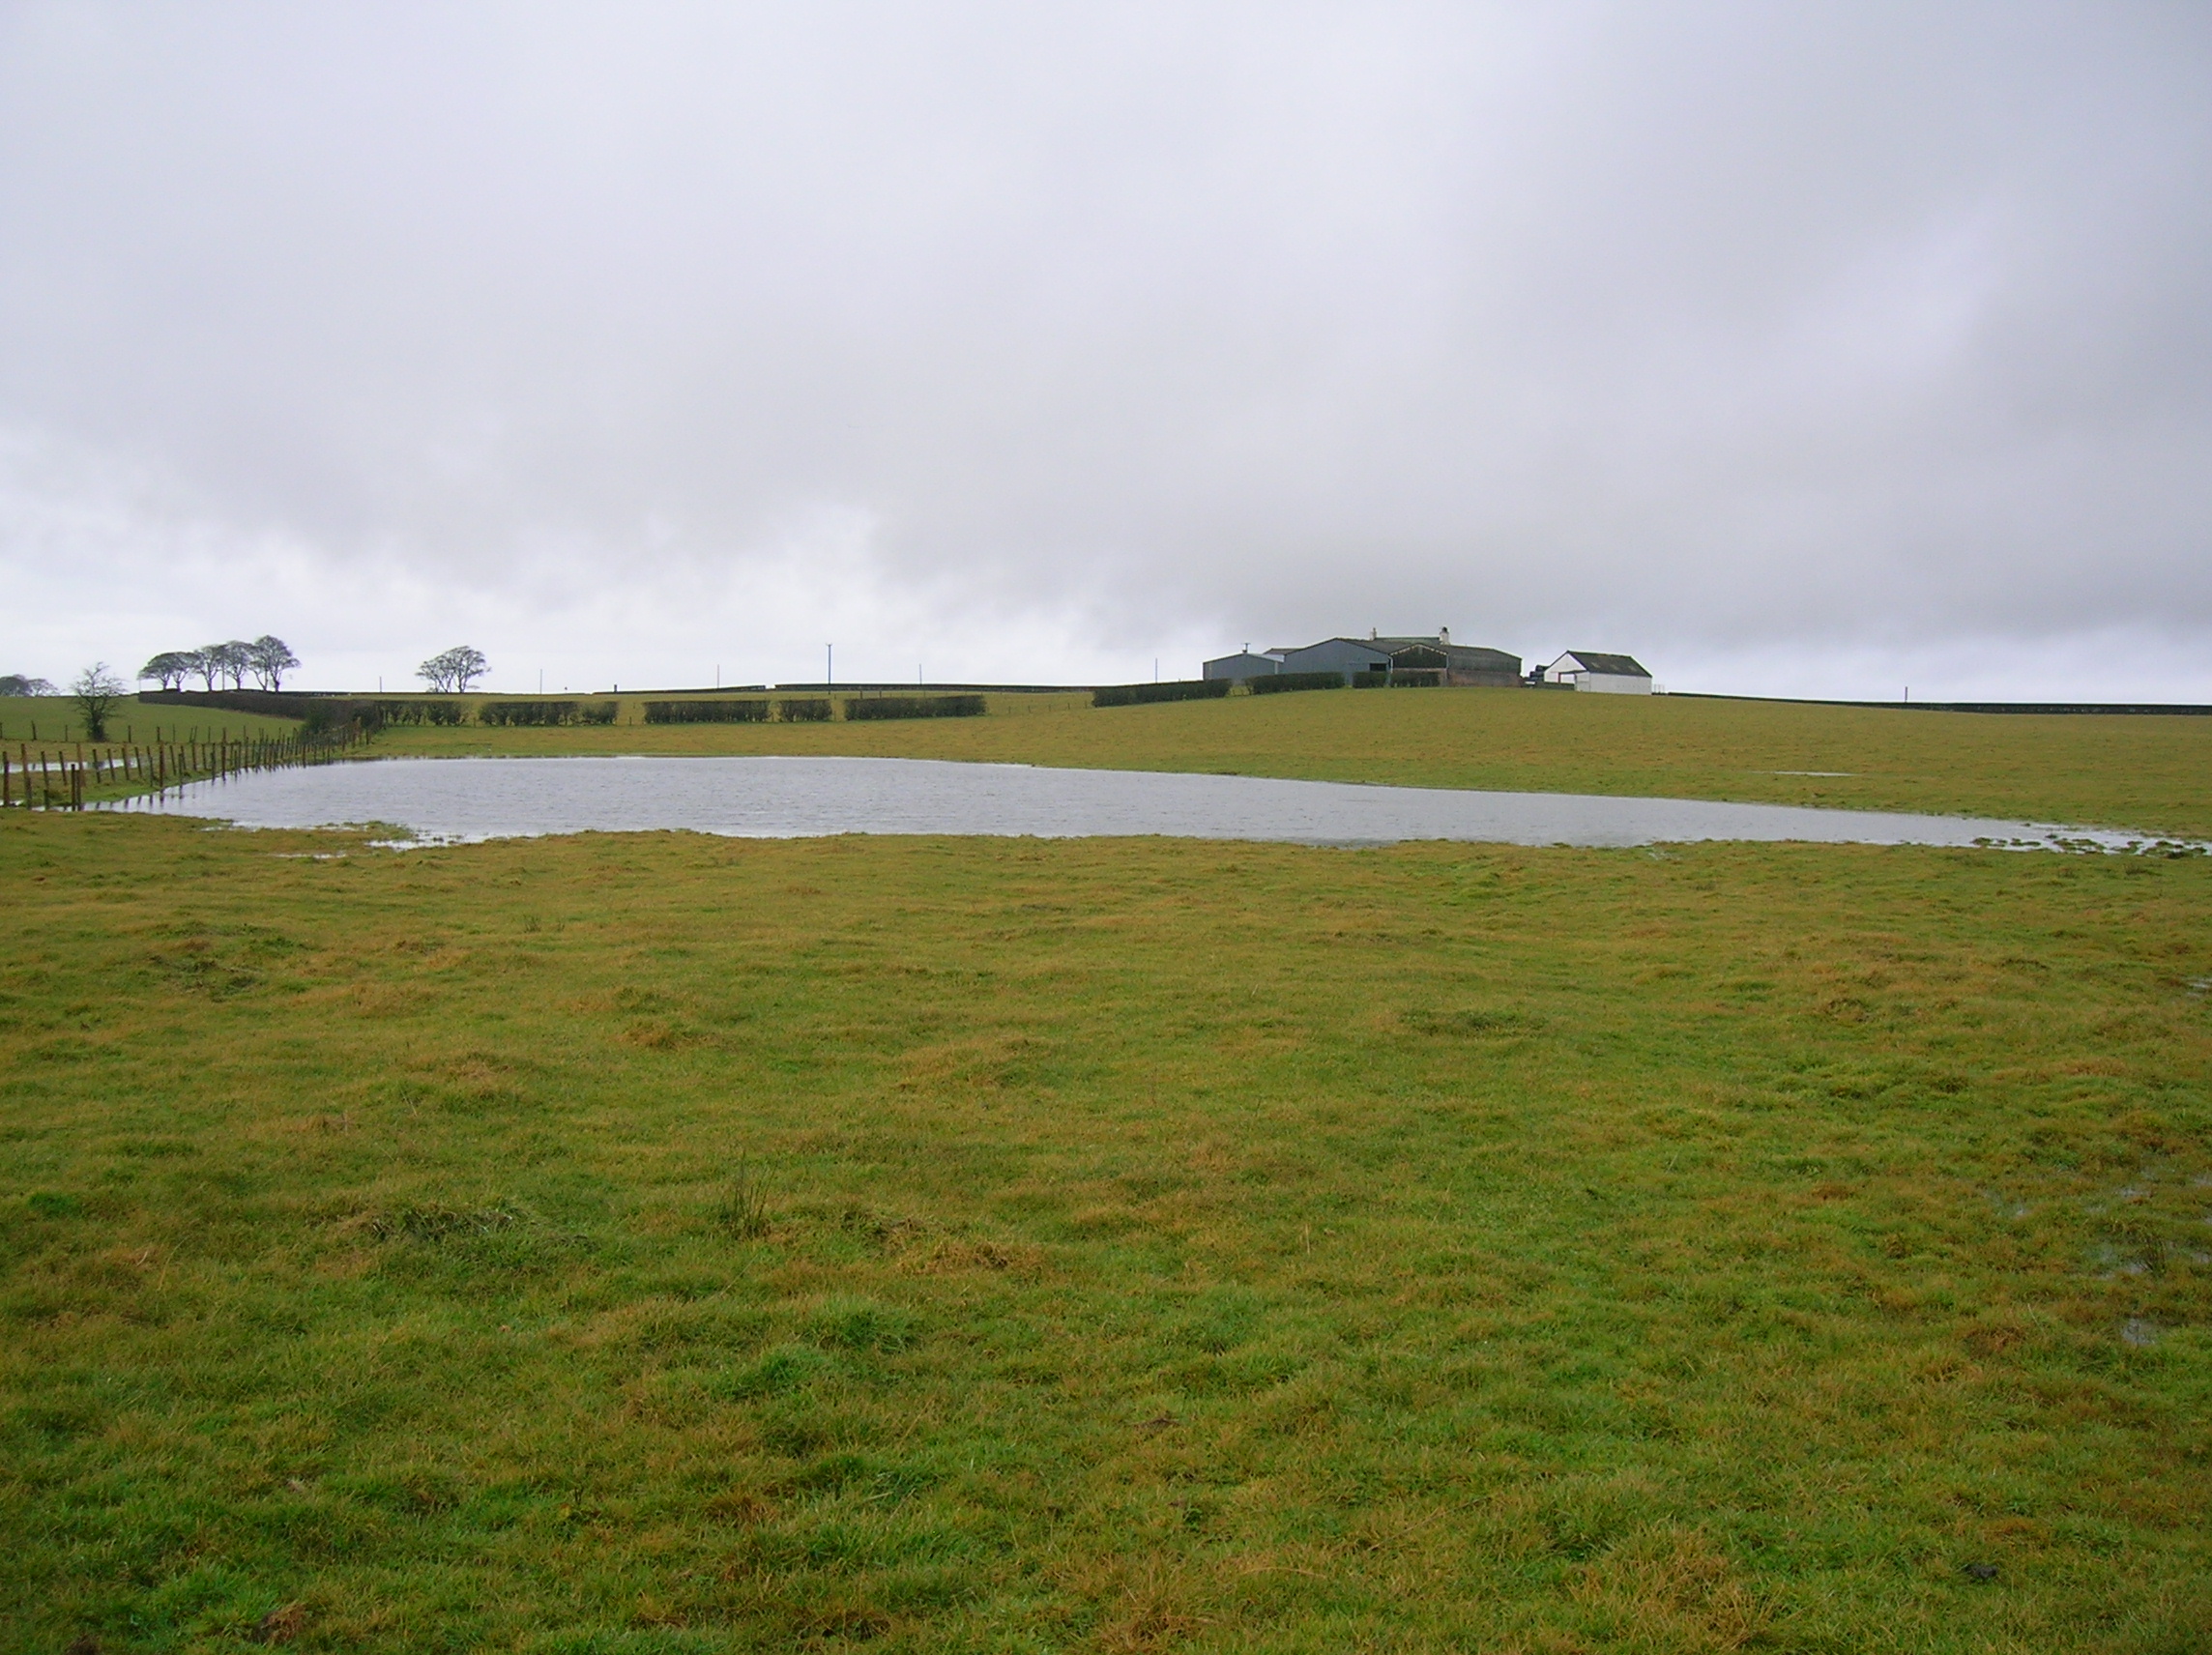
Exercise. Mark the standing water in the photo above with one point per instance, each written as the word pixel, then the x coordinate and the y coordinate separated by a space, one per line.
pixel 454 799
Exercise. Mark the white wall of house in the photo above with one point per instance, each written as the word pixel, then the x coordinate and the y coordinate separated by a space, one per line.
pixel 1569 669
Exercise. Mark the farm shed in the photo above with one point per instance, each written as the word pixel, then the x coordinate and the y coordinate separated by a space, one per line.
pixel 1244 664
pixel 1415 659
pixel 1593 669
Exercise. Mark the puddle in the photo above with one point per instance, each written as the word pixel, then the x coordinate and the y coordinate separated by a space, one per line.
pixel 446 800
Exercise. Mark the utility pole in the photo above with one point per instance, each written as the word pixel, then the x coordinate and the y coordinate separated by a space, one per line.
pixel 829 665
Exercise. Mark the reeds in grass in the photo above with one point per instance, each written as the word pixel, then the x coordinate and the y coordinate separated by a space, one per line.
pixel 742 1214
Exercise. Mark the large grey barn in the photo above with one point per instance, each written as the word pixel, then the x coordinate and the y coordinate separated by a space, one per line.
pixel 1404 660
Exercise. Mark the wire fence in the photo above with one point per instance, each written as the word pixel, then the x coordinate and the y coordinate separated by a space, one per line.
pixel 60 779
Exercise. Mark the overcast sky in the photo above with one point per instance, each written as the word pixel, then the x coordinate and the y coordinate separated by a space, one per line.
pixel 1792 348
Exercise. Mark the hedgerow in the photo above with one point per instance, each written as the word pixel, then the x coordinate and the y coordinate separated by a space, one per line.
pixel 706 711
pixel 548 712
pixel 1174 689
pixel 439 713
pixel 916 707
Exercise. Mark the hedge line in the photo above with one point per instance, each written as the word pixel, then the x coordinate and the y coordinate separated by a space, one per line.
pixel 1174 689
pixel 706 712
pixel 1382 678
pixel 270 703
pixel 916 707
pixel 547 713
pixel 1277 684
pixel 421 712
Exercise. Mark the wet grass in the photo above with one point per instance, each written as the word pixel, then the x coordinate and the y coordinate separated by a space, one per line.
pixel 2152 773
pixel 665 1244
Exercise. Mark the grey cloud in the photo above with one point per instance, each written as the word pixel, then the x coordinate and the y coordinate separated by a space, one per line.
pixel 1855 325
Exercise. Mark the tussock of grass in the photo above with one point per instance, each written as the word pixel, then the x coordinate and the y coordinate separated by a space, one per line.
pixel 1136 1245
pixel 743 1210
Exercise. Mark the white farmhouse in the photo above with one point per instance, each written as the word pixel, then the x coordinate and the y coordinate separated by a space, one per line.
pixel 1588 669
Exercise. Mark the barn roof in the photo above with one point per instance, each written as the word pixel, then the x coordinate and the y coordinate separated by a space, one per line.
pixel 1612 666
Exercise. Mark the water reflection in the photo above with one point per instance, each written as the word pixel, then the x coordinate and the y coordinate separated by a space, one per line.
pixel 452 800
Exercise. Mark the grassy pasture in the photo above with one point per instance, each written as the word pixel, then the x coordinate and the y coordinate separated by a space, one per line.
pixel 2153 774
pixel 56 721
pixel 662 1243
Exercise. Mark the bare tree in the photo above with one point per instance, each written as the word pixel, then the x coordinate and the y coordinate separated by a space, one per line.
pixel 97 690
pixel 218 661
pixel 171 667
pixel 271 659
pixel 453 670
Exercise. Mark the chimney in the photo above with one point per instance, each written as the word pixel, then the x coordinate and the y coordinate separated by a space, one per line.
pixel 1443 634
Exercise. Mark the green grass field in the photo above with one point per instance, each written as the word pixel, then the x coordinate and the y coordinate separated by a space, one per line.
pixel 2153 774
pixel 661 1243
pixel 53 720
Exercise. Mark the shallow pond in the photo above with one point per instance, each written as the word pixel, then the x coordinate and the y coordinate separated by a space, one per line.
pixel 446 799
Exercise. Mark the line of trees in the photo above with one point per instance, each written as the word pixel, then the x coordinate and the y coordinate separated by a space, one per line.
pixel 265 660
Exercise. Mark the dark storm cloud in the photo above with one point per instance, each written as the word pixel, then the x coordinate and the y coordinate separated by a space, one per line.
pixel 1856 326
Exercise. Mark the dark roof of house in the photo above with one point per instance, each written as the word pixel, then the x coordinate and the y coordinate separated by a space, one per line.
pixel 1390 646
pixel 1459 654
pixel 1465 657
pixel 1612 666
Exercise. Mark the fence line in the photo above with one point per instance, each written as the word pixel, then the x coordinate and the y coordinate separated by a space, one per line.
pixel 57 778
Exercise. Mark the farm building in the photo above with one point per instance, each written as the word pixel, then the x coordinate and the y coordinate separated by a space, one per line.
pixel 1404 660
pixel 1590 669
pixel 1245 664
